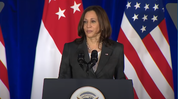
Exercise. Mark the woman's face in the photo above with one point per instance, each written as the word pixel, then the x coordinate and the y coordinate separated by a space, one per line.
pixel 91 25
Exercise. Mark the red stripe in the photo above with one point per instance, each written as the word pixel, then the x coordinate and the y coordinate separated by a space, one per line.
pixel 1 37
pixel 163 29
pixel 159 58
pixel 3 75
pixel 141 72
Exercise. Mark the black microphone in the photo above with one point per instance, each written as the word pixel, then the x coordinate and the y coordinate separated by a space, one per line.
pixel 94 58
pixel 81 61
pixel 91 63
pixel 81 57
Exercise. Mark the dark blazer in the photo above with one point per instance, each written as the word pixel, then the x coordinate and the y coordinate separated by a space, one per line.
pixel 111 63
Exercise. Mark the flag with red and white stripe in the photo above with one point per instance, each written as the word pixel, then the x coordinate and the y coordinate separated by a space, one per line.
pixel 146 49
pixel 4 84
pixel 58 26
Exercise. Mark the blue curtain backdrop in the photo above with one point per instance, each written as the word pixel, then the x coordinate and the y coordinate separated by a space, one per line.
pixel 20 21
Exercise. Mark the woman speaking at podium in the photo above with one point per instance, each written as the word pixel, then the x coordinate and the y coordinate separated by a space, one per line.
pixel 94 55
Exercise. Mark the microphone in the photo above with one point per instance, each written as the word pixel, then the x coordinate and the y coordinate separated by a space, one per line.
pixel 91 63
pixel 94 58
pixel 82 61
pixel 81 57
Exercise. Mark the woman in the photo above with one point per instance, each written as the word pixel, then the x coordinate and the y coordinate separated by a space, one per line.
pixel 94 30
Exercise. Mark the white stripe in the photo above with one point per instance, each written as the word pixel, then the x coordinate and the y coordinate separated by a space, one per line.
pixel 3 54
pixel 131 74
pixel 162 44
pixel 4 92
pixel 146 59
pixel 47 62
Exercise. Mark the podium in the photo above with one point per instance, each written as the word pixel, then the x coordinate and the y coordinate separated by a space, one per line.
pixel 65 88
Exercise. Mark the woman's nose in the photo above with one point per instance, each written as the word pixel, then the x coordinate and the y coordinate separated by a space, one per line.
pixel 89 24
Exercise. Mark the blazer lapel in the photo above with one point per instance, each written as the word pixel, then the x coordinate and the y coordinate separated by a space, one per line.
pixel 105 55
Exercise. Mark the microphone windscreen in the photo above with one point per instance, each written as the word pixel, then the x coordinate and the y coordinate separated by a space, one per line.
pixel 94 56
pixel 80 58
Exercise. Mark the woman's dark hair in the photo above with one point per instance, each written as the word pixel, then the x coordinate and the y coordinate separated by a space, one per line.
pixel 104 24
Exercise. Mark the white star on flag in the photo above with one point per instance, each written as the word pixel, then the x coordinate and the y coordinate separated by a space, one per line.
pixel 75 7
pixel 135 17
pixel 146 6
pixel 128 4
pixel 154 18
pixel 145 17
pixel 60 13
pixel 163 9
pixel 156 7
pixel 137 5
pixel 143 28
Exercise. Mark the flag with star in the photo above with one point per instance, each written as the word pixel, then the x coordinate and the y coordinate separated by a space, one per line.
pixel 58 26
pixel 146 49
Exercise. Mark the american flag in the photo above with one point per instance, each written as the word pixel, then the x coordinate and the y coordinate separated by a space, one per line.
pixel 146 49
pixel 59 25
pixel 4 84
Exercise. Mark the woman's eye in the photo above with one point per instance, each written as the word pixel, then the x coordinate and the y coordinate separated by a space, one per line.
pixel 84 22
pixel 93 21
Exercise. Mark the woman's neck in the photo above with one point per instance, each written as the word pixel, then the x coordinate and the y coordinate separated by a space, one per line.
pixel 93 44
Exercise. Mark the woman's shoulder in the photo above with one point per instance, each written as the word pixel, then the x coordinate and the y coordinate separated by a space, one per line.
pixel 73 43
pixel 114 43
pixel 117 46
